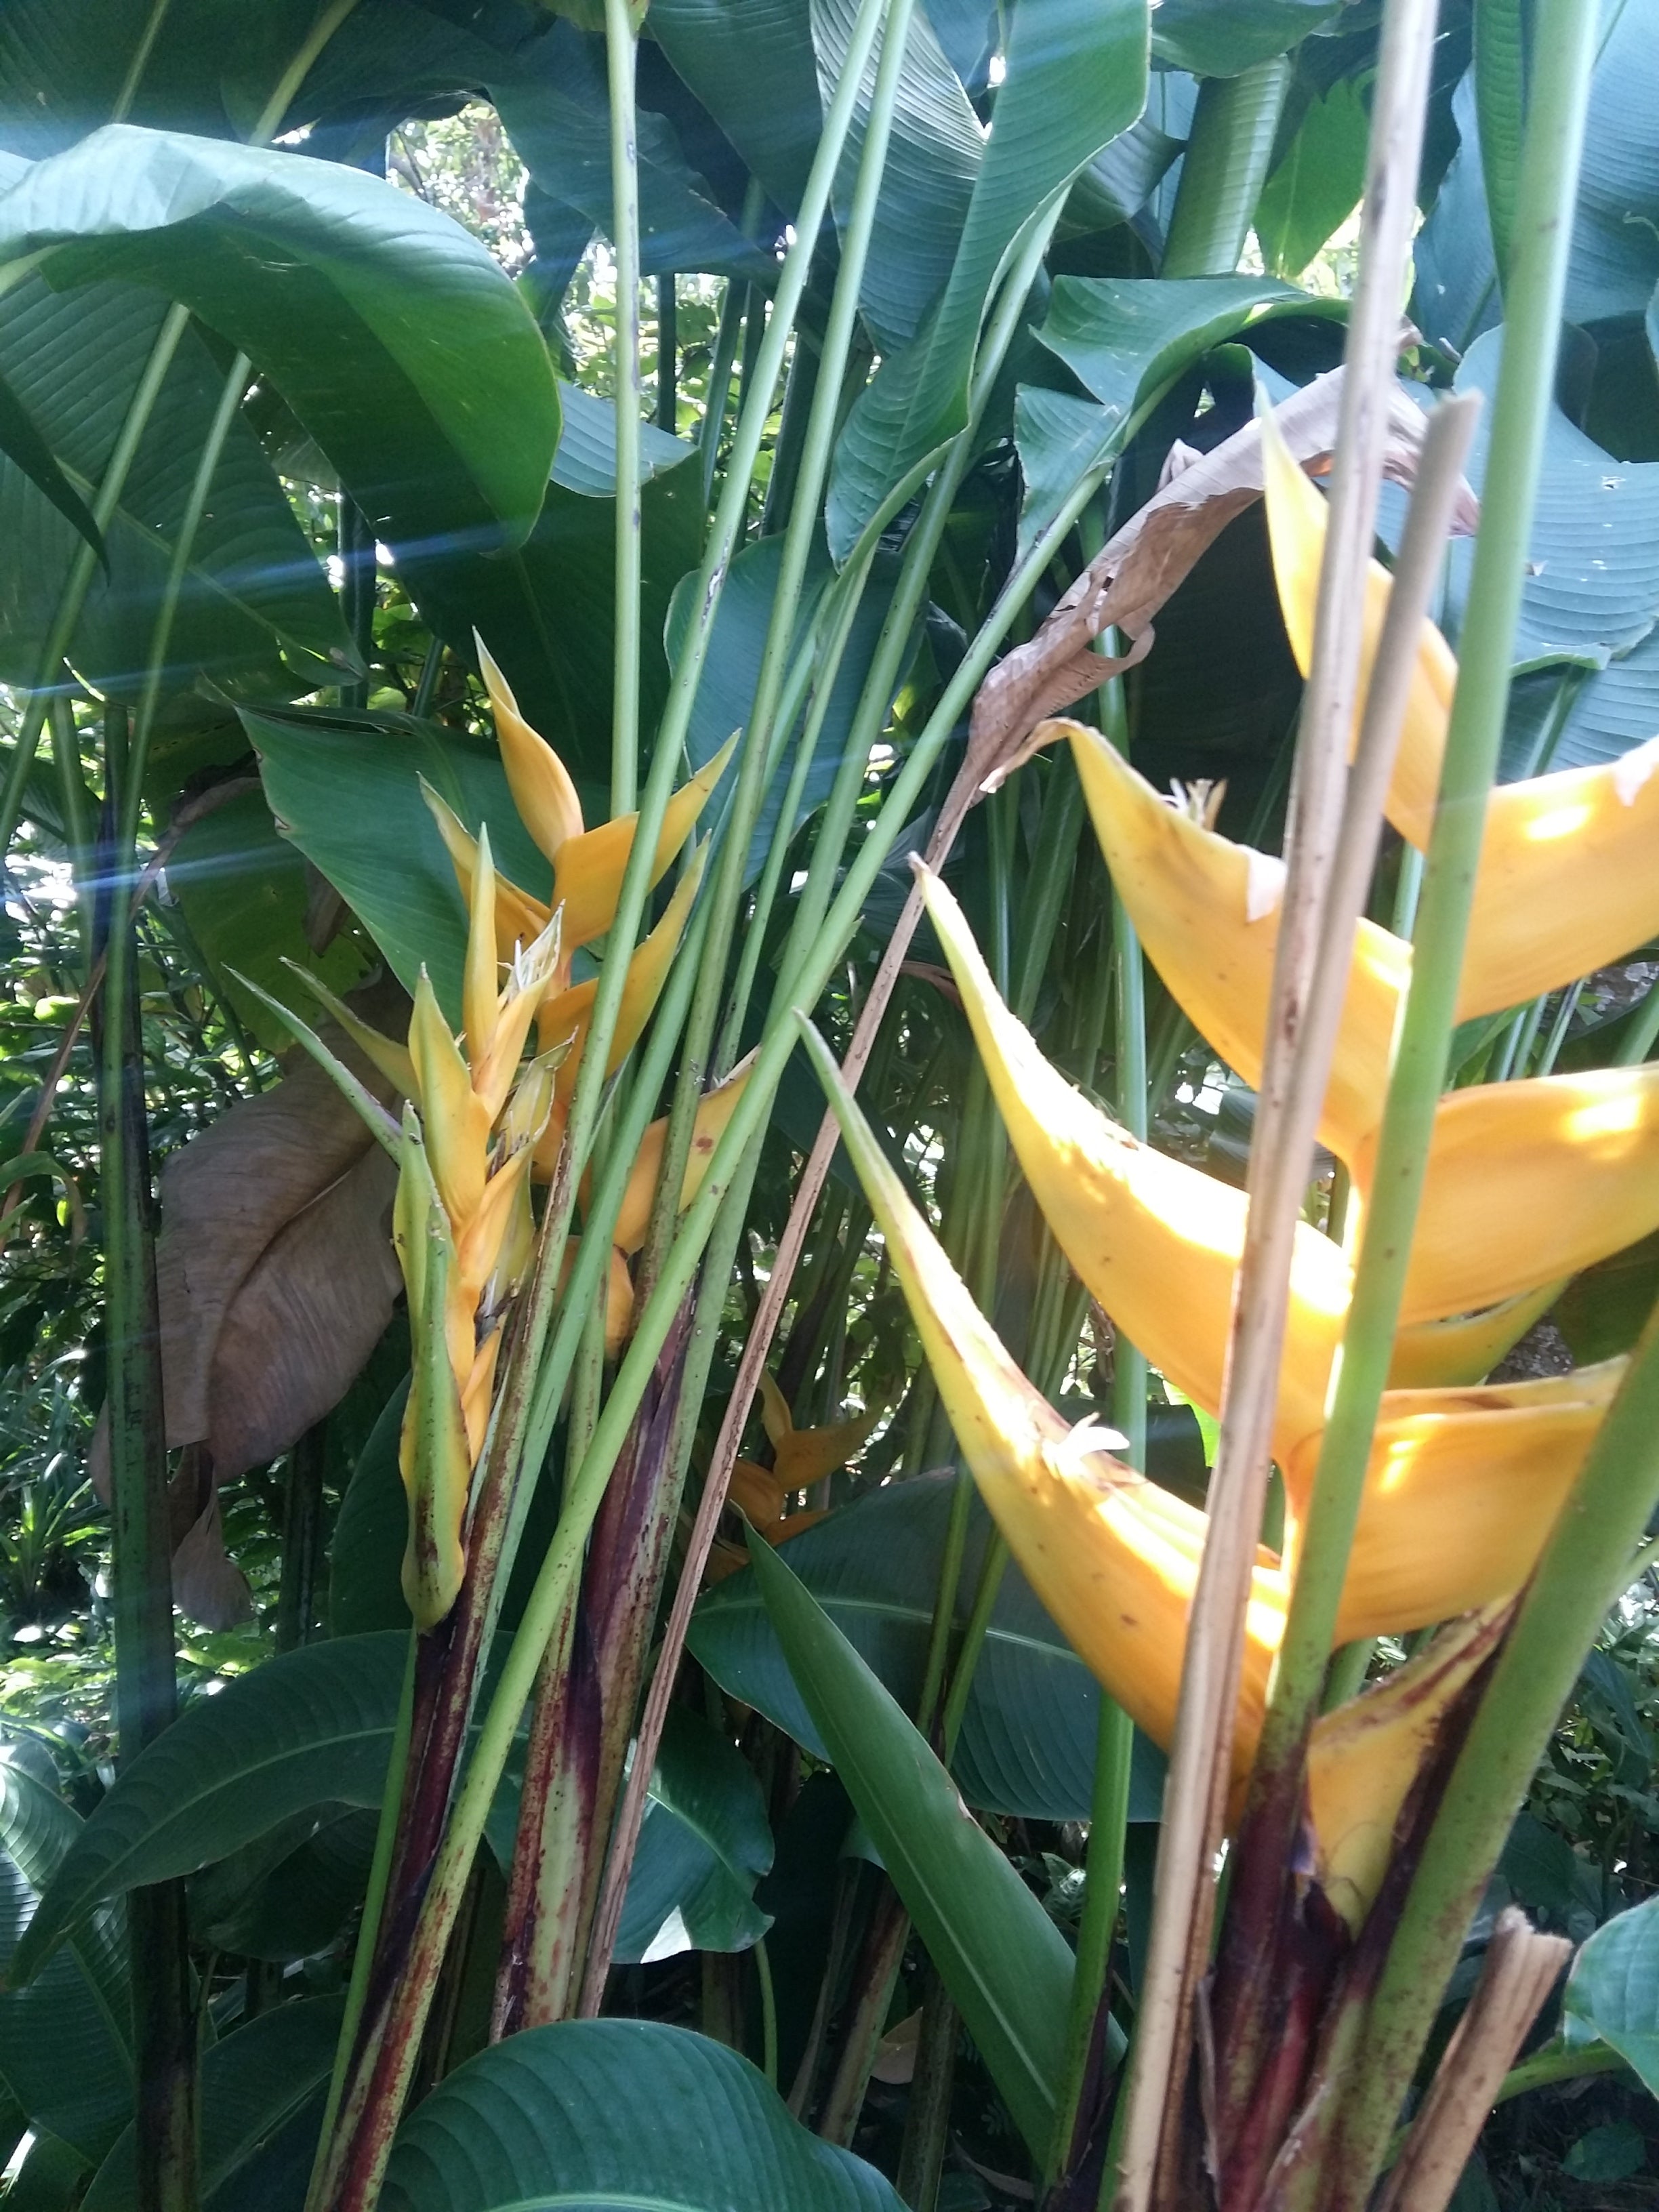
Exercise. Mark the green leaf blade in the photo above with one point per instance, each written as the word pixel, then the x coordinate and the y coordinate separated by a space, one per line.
pixel 553 2117
pixel 1007 1966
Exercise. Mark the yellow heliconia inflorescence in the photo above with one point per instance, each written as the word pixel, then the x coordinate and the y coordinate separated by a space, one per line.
pixel 800 1459
pixel 1527 1181
pixel 479 1117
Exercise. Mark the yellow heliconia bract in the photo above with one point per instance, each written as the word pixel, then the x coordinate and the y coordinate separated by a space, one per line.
pixel 462 1226
pixel 1207 912
pixel 1529 1181
pixel 801 1457
pixel 1115 1559
pixel 1363 1758
pixel 1436 1354
pixel 1295 530
pixel 1461 1489
pixel 547 800
pixel 1565 885
pixel 714 1109
pixel 1158 1242
pixel 588 872
pixel 562 1021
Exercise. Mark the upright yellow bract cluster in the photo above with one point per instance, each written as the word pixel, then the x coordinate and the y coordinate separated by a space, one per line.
pixel 1527 1181
pixel 479 1117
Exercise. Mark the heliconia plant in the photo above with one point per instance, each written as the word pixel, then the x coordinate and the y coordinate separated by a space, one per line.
pixel 791 1669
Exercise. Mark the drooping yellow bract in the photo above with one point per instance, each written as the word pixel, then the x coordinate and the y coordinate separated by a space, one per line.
pixel 1295 530
pixel 1548 909
pixel 1116 1558
pixel 1526 1182
pixel 1158 1242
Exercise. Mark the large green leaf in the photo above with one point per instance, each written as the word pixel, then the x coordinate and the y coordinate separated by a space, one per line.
pixel 37 1829
pixel 932 158
pixel 1603 1311
pixel 310 1728
pixel 1075 76
pixel 587 459
pixel 617 2115
pixel 556 107
pixel 1028 1735
pixel 1126 338
pixel 749 62
pixel 345 787
pixel 1220 38
pixel 63 2058
pixel 258 2086
pixel 22 444
pixel 1613 1992
pixel 1317 181
pixel 1059 438
pixel 704 1844
pixel 397 340
pixel 280 1751
pixel 1615 234
pixel 253 591
pixel 1591 596
pixel 242 890
pixel 1614 261
pixel 288 1894
pixel 546 610
pixel 214 63
pixel 1007 1967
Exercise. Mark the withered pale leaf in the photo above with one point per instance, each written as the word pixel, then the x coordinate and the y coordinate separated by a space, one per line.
pixel 1142 565
pixel 207 1585
pixel 304 1319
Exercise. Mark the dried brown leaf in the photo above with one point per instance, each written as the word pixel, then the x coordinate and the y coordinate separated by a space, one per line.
pixel 208 1586
pixel 1142 565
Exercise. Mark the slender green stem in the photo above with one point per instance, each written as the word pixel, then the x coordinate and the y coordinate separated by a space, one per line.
pixel 427 684
pixel 1559 1028
pixel 1548 183
pixel 1554 2063
pixel 1582 1574
pixel 621 57
pixel 769 2013
pixel 992 1568
pixel 359 576
pixel 827 651
pixel 294 76
pixel 140 61
pixel 77 834
pixel 141 1563
pixel 666 411
pixel 1108 1816
pixel 799 537
pixel 184 547
pixel 1115 1737
pixel 1346 1677
pixel 1224 168
pixel 945 1597
pixel 726 352
pixel 380 1871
